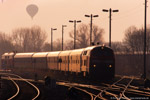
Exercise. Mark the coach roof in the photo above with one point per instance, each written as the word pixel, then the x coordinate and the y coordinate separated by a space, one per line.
pixel 23 55
pixel 77 52
pixel 53 54
pixel 40 54
pixel 65 53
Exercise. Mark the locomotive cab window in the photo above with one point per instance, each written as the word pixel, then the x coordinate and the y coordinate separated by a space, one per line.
pixel 85 52
pixel 102 52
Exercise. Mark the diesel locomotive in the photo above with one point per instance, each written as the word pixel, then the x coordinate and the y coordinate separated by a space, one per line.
pixel 94 62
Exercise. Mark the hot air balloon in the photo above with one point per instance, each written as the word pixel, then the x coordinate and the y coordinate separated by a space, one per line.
pixel 32 10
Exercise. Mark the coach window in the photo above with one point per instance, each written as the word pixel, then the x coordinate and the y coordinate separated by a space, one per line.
pixel 84 62
pixel 55 60
pixel 85 52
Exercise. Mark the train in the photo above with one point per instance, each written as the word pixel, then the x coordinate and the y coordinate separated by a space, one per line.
pixel 93 63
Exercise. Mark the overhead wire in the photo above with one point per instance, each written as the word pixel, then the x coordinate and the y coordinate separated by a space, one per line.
pixel 131 12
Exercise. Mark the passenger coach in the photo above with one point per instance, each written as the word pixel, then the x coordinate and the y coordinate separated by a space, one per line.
pixel 95 62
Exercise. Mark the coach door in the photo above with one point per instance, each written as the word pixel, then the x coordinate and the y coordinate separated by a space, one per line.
pixel 85 61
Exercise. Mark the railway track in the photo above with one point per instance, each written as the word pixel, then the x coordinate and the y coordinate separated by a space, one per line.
pixel 25 90
pixel 75 92
pixel 118 90
pixel 122 89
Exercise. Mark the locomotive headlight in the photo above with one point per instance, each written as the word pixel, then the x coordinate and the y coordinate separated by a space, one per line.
pixel 94 65
pixel 110 66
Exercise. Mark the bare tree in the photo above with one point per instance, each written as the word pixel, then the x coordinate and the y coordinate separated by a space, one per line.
pixel 134 39
pixel 83 36
pixel 118 47
pixel 46 47
pixel 20 38
pixel 98 34
pixel 148 39
pixel 5 43
pixel 29 39
pixel 68 45
pixel 38 37
pixel 58 45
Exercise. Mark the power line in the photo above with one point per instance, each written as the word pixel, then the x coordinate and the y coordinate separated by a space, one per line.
pixel 131 13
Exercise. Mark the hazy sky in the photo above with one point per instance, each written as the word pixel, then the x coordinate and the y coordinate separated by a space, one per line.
pixel 55 13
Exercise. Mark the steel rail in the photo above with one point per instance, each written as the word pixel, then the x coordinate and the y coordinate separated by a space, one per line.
pixel 90 87
pixel 18 89
pixel 86 92
pixel 38 91
pixel 83 90
pixel 133 91
pixel 138 92
pixel 122 94
pixel 98 96
pixel 110 86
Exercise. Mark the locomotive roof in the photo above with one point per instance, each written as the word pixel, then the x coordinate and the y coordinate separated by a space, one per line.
pixel 50 54
pixel 40 54
pixel 23 55
pixel 90 48
pixel 8 54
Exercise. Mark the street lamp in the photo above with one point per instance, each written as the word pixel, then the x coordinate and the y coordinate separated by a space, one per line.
pixel 75 21
pixel 91 26
pixel 52 29
pixel 63 34
pixel 110 11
